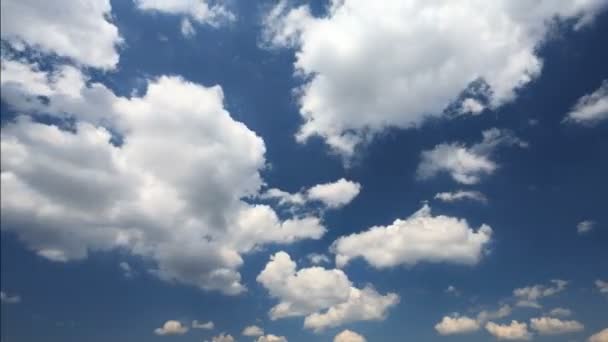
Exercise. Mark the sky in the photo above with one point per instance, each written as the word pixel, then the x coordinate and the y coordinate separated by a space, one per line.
pixel 271 171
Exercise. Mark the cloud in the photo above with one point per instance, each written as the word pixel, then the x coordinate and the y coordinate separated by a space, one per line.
pixel 63 28
pixel 171 328
pixel 350 94
pixel 333 195
pixel 585 227
pixel 530 295
pixel 126 269
pixel 9 299
pixel 466 165
pixel 461 195
pixel 515 331
pixel 67 191
pixel 310 291
pixel 187 29
pixel 601 336
pixel 202 12
pixel 502 312
pixel 602 286
pixel 223 338
pixel 271 338
pixel 456 324
pixel 418 238
pixel 317 259
pixel 554 326
pixel 253 330
pixel 591 108
pixel 349 336
pixel 451 289
pixel 471 106
pixel 561 312
pixel 200 325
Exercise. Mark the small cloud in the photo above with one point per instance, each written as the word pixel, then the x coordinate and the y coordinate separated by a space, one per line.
pixel 9 299
pixel 253 330
pixel 317 259
pixel 461 195
pixel 554 326
pixel 349 336
pixel 456 324
pixel 513 331
pixel 171 327
pixel 200 325
pixel 223 338
pixel 602 286
pixel 560 312
pixel 127 271
pixel 452 290
pixel 585 227
pixel 529 296
pixel 187 29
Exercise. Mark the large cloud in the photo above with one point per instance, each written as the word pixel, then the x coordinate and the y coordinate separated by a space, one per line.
pixel 76 29
pixel 371 65
pixel 325 296
pixel 591 108
pixel 418 238
pixel 168 184
pixel 601 336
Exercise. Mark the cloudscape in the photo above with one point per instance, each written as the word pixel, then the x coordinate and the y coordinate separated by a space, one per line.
pixel 292 170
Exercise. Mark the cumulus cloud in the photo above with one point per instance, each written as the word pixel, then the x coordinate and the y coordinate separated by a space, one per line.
pixel 171 328
pixel 464 164
pixel 602 286
pixel 253 330
pixel 591 108
pixel 200 325
pixel 271 338
pixel 486 315
pixel 351 94
pixel 332 195
pixel 223 338
pixel 317 259
pixel 418 238
pixel 515 331
pixel 529 296
pixel 601 336
pixel 325 296
pixel 461 195
pixel 9 299
pixel 202 11
pixel 554 326
pixel 67 191
pixel 456 324
pixel 63 28
pixel 349 336
pixel 471 106
pixel 585 227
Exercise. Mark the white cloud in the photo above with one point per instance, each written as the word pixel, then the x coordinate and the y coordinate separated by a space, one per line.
pixel 418 238
pixel 529 296
pixel 200 325
pixel 200 11
pixel 64 28
pixel 585 227
pixel 253 330
pixel 223 338
pixel 317 259
pixel 602 286
pixel 451 289
pixel 171 328
pixel 471 106
pixel 9 299
pixel 502 312
pixel 591 108
pixel 333 195
pixel 349 336
pixel 309 291
pixel 601 336
pixel 466 165
pixel 271 338
pixel 515 331
pixel 461 195
pixel 68 192
pixel 350 93
pixel 456 324
pixel 561 312
pixel 187 29
pixel 126 269
pixel 554 326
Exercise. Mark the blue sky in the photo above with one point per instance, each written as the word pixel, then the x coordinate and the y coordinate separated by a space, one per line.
pixel 342 171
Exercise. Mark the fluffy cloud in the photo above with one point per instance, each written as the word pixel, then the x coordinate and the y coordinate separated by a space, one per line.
pixel 554 326
pixel 333 195
pixel 200 325
pixel 465 165
pixel 456 324
pixel 200 11
pixel 418 238
pixel 591 108
pixel 585 227
pixel 350 93
pixel 9 299
pixel 317 259
pixel 485 315
pixel 271 338
pixel 136 185
pixel 223 338
pixel 529 296
pixel 514 331
pixel 171 328
pixel 309 291
pixel 349 336
pixel 253 330
pixel 63 28
pixel 601 336
pixel 602 286
pixel 461 195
